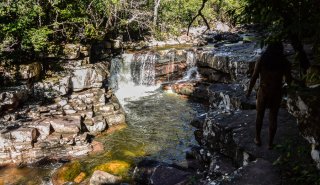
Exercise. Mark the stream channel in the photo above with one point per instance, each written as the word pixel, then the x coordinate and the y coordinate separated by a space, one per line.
pixel 158 123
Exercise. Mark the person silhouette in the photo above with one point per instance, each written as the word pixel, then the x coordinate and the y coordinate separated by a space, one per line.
pixel 271 68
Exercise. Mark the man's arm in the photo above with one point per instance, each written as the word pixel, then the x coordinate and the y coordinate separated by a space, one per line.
pixel 254 77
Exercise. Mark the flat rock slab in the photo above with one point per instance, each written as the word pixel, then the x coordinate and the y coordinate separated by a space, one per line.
pixel 260 172
pixel 233 135
pixel 158 173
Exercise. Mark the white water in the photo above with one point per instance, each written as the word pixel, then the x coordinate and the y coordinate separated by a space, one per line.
pixel 192 71
pixel 129 84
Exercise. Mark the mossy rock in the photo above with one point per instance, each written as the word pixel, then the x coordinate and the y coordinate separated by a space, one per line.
pixel 133 154
pixel 115 167
pixel 68 172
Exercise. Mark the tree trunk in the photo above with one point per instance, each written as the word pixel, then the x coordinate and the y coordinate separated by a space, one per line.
pixel 155 12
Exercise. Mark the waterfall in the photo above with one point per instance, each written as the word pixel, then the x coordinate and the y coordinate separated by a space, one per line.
pixel 192 71
pixel 133 76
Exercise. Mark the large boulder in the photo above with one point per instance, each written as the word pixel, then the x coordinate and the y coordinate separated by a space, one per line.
pixel 89 76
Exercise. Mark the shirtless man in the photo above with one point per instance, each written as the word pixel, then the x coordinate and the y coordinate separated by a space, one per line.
pixel 271 68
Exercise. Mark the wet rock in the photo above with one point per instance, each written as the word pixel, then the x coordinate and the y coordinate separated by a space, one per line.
pixel 156 173
pixel 259 172
pixel 101 177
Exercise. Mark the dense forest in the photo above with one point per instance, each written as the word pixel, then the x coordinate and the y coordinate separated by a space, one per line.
pixel 35 27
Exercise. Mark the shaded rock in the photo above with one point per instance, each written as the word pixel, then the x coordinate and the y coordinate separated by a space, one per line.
pixel 225 97
pixel 259 172
pixel 156 173
pixel 101 178
pixel 12 98
pixel 71 51
pixel 304 105
pixel 32 70
pixel 232 135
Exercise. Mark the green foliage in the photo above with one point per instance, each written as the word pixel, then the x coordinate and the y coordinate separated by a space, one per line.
pixel 296 165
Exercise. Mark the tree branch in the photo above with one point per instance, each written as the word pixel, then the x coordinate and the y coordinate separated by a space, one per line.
pixel 202 16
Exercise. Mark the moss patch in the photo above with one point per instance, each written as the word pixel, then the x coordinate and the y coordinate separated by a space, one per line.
pixel 69 172
pixel 115 167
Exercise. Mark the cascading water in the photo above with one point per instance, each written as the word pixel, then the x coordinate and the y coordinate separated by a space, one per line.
pixel 192 71
pixel 133 76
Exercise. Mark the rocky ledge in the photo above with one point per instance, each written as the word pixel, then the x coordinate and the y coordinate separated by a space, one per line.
pixel 59 113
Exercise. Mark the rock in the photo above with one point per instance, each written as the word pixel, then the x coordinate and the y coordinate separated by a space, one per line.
pixel 101 178
pixel 89 76
pixel 98 126
pixel 156 173
pixel 80 178
pixel 63 103
pixel 65 85
pixel 115 119
pixel 12 98
pixel 230 63
pixel 259 172
pixel 69 111
pixel 71 51
pixel 226 97
pixel 32 70
pixel 24 135
pixel 65 124
pixel 43 127
pixel 97 146
pixel 232 135
pixel 304 105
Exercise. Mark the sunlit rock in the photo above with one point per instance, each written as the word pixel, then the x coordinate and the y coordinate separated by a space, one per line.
pixel 115 119
pixel 65 124
pixel 101 177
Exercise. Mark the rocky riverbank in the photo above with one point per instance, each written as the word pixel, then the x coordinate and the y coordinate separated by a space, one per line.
pixel 56 115
pixel 59 107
